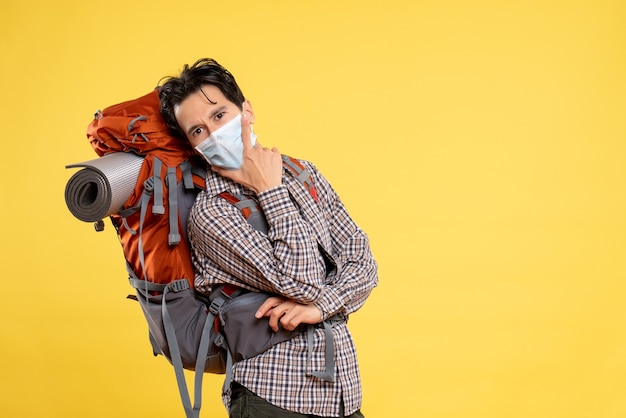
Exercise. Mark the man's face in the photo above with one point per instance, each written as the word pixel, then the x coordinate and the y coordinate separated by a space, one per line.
pixel 199 116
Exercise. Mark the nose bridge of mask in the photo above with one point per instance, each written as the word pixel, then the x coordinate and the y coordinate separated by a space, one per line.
pixel 232 130
pixel 232 127
pixel 224 147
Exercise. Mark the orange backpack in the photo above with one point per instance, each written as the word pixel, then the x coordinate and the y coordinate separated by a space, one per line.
pixel 151 226
pixel 136 126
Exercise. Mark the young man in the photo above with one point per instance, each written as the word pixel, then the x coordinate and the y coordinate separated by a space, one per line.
pixel 314 257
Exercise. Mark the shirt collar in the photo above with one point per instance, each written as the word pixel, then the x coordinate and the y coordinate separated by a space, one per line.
pixel 216 184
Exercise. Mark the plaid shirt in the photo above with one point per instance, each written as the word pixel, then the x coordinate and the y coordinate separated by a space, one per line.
pixel 289 261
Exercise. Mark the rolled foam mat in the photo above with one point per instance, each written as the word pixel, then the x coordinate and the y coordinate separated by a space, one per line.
pixel 102 186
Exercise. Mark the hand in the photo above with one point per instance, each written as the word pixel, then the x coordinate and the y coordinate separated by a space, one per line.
pixel 261 169
pixel 289 313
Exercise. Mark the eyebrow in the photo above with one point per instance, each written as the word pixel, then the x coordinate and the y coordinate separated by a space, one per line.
pixel 211 115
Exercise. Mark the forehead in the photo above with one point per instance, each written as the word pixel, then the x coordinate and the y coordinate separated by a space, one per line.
pixel 212 92
pixel 209 96
pixel 197 105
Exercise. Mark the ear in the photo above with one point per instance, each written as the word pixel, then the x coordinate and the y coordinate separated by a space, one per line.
pixel 247 107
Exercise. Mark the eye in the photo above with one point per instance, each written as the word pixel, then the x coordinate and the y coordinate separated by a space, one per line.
pixel 219 116
pixel 197 132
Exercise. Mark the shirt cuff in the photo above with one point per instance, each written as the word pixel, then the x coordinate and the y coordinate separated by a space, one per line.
pixel 329 304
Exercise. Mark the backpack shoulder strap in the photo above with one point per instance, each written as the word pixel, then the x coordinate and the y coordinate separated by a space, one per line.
pixel 249 208
pixel 301 173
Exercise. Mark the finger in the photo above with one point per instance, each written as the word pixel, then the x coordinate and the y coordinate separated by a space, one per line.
pixel 278 313
pixel 275 316
pixel 269 304
pixel 245 132
pixel 290 320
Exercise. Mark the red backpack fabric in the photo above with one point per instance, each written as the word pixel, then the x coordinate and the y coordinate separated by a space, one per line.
pixel 137 126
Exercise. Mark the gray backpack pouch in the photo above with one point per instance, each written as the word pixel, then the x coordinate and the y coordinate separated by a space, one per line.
pixel 246 335
pixel 188 316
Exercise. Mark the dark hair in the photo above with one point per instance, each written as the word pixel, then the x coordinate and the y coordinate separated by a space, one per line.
pixel 205 71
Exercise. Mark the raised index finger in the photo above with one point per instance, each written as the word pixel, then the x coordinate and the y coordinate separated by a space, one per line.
pixel 246 131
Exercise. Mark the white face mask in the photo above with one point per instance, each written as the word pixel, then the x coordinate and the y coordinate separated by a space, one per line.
pixel 224 147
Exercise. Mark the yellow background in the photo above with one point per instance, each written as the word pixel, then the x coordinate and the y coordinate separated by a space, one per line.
pixel 479 143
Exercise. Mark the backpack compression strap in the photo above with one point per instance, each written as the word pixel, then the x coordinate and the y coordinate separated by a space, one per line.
pixel 153 188
pixel 225 293
pixel 218 297
pixel 328 374
pixel 147 288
